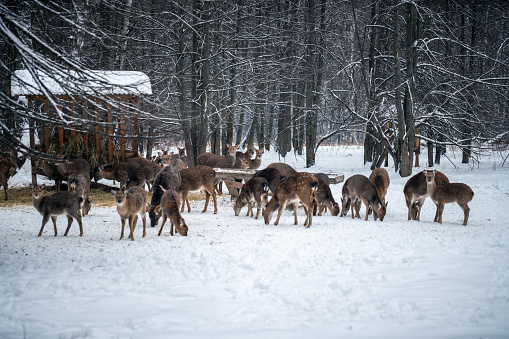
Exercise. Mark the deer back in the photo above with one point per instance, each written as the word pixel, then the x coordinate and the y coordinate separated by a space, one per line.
pixel 285 169
pixel 447 192
pixel 254 190
pixel 170 206
pixel 359 187
pixel 74 166
pixel 380 178
pixel 169 178
pixel 217 161
pixel 194 178
pixel 58 203
pixel 416 186
pixel 300 186
pixel 272 175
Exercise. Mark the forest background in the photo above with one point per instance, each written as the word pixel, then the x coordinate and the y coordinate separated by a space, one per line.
pixel 284 74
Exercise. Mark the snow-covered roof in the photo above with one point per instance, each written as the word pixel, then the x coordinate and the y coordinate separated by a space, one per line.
pixel 80 83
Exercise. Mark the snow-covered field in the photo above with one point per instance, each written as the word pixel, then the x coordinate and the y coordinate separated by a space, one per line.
pixel 235 277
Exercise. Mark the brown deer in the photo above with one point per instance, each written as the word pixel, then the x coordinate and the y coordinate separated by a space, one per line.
pixel 299 187
pixel 448 193
pixel 182 155
pixel 7 170
pixel 170 206
pixel 142 173
pixel 169 178
pixel 51 171
pixel 323 197
pixel 358 188
pixel 217 161
pixel 130 204
pixel 74 166
pixel 51 206
pixel 285 169
pixel 257 161
pixel 198 178
pixel 272 175
pixel 254 192
pixel 416 192
pixel 81 185
pixel 248 154
pixel 380 178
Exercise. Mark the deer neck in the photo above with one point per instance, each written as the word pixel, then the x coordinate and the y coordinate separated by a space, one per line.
pixel 230 159
pixel 37 203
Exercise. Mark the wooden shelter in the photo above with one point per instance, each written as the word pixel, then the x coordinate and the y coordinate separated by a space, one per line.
pixel 88 90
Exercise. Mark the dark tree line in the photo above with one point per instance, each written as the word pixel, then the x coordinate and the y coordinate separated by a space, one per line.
pixel 288 74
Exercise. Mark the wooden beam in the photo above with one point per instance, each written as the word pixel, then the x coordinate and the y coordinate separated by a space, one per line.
pixel 85 134
pixel 46 127
pixel 97 132
pixel 110 133
pixel 32 145
pixel 60 135
pixel 122 140
pixel 72 107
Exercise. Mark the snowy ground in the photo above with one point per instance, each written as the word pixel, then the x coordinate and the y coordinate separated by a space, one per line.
pixel 234 277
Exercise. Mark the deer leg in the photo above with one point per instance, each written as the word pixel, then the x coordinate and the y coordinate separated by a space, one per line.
pixel 54 220
pixel 309 216
pixel 144 225
pixel 184 199
pixel 69 222
pixel 122 231
pixel 207 197
pixel 133 219
pixel 440 211
pixel 258 208
pixel 295 207
pixel 45 219
pixel 366 203
pixel 171 226
pixel 466 212
pixel 162 225
pixel 352 207
pixel 80 223
pixel 409 206
pixel 279 212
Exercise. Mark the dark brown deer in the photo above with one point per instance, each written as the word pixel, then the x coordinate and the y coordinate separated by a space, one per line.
pixel 182 155
pixel 119 172
pixel 142 173
pixel 198 178
pixel 217 161
pixel 74 166
pixel 285 169
pixel 448 193
pixel 130 204
pixel 358 188
pixel 51 206
pixel 170 206
pixel 81 185
pixel 7 170
pixel 416 192
pixel 51 171
pixel 254 192
pixel 272 175
pixel 299 187
pixel 323 197
pixel 168 178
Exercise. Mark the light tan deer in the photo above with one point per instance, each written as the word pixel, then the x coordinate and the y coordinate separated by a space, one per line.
pixel 51 206
pixel 416 192
pixel 170 206
pixel 448 193
pixel 130 204
pixel 217 161
pixel 299 187
pixel 198 178
pixel 257 161
pixel 254 192
pixel 358 188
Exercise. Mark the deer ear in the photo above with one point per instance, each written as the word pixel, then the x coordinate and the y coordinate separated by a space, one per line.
pixel 113 192
pixel 126 191
pixel 43 186
pixel 434 171
pixel 424 172
pixel 32 186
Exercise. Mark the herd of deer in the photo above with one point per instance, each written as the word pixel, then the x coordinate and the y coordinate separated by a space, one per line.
pixel 167 177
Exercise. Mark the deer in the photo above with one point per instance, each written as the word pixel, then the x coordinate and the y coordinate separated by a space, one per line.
pixel 170 206
pixel 358 188
pixel 74 166
pixel 182 155
pixel 380 178
pixel 168 178
pixel 248 154
pixel 142 173
pixel 130 204
pixel 81 185
pixel 257 161
pixel 198 178
pixel 416 192
pixel 7 170
pixel 51 171
pixel 51 206
pixel 254 192
pixel 217 161
pixel 448 193
pixel 272 175
pixel 285 169
pixel 323 196
pixel 301 187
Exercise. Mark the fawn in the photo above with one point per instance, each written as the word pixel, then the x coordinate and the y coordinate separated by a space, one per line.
pixel 323 196
pixel 170 205
pixel 358 188
pixel 217 161
pixel 50 206
pixel 198 178
pixel 81 185
pixel 254 192
pixel 447 193
pixel 416 192
pixel 130 203
pixel 169 178
pixel 299 187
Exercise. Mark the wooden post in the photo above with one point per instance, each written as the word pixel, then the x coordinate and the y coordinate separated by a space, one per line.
pixel 386 162
pixel 32 145
pixel 60 135
pixel 97 132
pixel 46 127
pixel 72 107
pixel 122 140
pixel 110 133
pixel 417 147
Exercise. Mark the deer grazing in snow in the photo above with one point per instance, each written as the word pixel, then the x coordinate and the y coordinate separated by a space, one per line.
pixel 130 203
pixel 198 178
pixel 254 192
pixel 358 188
pixel 448 193
pixel 217 161
pixel 51 206
pixel 170 206
pixel 299 187
pixel 380 178
pixel 416 192
pixel 272 175
pixel 323 196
